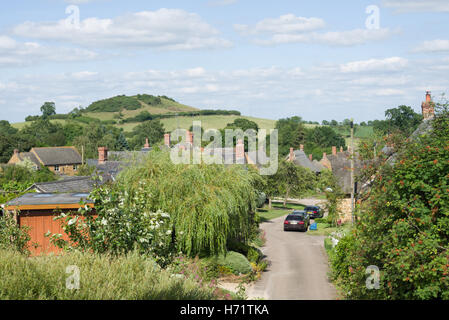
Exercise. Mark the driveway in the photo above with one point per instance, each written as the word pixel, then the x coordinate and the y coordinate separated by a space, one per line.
pixel 299 265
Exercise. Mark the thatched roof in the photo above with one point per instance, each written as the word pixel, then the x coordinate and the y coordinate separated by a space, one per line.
pixel 301 159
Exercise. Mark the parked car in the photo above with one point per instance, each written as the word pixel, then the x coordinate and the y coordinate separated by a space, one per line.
pixel 314 212
pixel 297 220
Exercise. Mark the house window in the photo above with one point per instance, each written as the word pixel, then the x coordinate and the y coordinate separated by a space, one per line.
pixel 57 168
pixel 75 167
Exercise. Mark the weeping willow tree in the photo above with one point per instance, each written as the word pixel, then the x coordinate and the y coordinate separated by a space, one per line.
pixel 208 204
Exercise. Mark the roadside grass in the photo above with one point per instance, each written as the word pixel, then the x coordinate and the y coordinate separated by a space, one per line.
pixel 324 229
pixel 277 211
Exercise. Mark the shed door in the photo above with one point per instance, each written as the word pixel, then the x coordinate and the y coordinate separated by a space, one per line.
pixel 41 222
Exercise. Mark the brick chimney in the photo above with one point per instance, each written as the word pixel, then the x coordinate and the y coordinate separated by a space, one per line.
pixel 301 147
pixel 334 151
pixel 167 139
pixel 311 157
pixel 428 107
pixel 290 157
pixel 147 144
pixel 102 155
pixel 240 152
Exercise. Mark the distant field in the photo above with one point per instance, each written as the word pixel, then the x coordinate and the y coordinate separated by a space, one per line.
pixel 207 122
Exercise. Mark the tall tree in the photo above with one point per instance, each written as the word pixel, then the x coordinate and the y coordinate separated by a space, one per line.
pixel 48 109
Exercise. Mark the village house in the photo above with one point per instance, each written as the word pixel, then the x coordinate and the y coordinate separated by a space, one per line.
pixel 60 160
pixel 300 158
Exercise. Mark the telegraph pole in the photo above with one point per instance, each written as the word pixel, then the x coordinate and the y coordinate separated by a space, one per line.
pixel 352 171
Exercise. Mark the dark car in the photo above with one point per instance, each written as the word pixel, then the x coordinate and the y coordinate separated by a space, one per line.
pixel 314 212
pixel 297 220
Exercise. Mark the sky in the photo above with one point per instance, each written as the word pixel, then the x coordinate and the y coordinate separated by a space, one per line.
pixel 320 60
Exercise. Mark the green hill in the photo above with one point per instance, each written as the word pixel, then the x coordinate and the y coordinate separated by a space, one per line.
pixel 128 111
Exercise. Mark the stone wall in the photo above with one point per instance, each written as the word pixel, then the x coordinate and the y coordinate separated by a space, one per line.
pixel 344 209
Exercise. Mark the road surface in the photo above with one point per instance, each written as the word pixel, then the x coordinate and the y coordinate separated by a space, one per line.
pixel 299 266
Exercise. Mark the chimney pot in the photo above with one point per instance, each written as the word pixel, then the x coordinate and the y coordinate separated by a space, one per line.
pixel 428 108
pixel 334 151
pixel 147 144
pixel 291 155
pixel 16 151
pixel 341 149
pixel 301 147
pixel 102 155
pixel 167 139
pixel 324 155
pixel 311 157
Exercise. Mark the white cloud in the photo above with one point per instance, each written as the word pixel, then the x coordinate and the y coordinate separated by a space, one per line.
pixel 388 64
pixel 359 89
pixel 292 29
pixel 14 53
pixel 172 29
pixel 286 24
pixel 437 45
pixel 402 6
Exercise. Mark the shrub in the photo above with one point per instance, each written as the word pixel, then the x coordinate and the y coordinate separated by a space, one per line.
pixel 102 277
pixel 208 204
pixel 12 236
pixel 235 261
pixel 403 226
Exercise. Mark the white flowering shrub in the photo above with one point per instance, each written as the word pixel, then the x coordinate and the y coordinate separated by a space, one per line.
pixel 120 223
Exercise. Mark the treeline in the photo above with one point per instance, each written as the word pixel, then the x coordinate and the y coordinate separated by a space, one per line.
pixel 145 115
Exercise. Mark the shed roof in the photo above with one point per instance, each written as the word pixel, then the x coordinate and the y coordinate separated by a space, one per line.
pixel 57 155
pixel 41 201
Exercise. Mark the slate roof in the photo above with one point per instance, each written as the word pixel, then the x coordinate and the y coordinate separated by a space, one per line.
pixel 72 184
pixel 57 155
pixel 31 199
pixel 108 170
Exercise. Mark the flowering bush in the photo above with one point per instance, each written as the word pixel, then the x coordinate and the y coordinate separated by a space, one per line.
pixel 121 223
pixel 403 226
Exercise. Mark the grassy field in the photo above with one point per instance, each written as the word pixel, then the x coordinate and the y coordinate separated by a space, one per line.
pixel 207 122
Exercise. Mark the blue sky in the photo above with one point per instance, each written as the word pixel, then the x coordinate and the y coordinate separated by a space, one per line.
pixel 271 59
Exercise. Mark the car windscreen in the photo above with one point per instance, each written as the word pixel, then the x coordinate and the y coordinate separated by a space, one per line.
pixel 299 217
pixel 311 209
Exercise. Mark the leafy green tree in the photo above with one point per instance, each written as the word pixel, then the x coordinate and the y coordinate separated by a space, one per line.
pixel 48 109
pixel 403 118
pixel 291 133
pixel 153 130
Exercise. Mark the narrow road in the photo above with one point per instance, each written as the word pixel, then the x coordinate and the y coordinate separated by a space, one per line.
pixel 299 266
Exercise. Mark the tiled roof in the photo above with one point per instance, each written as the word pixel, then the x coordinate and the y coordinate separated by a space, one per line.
pixel 57 155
